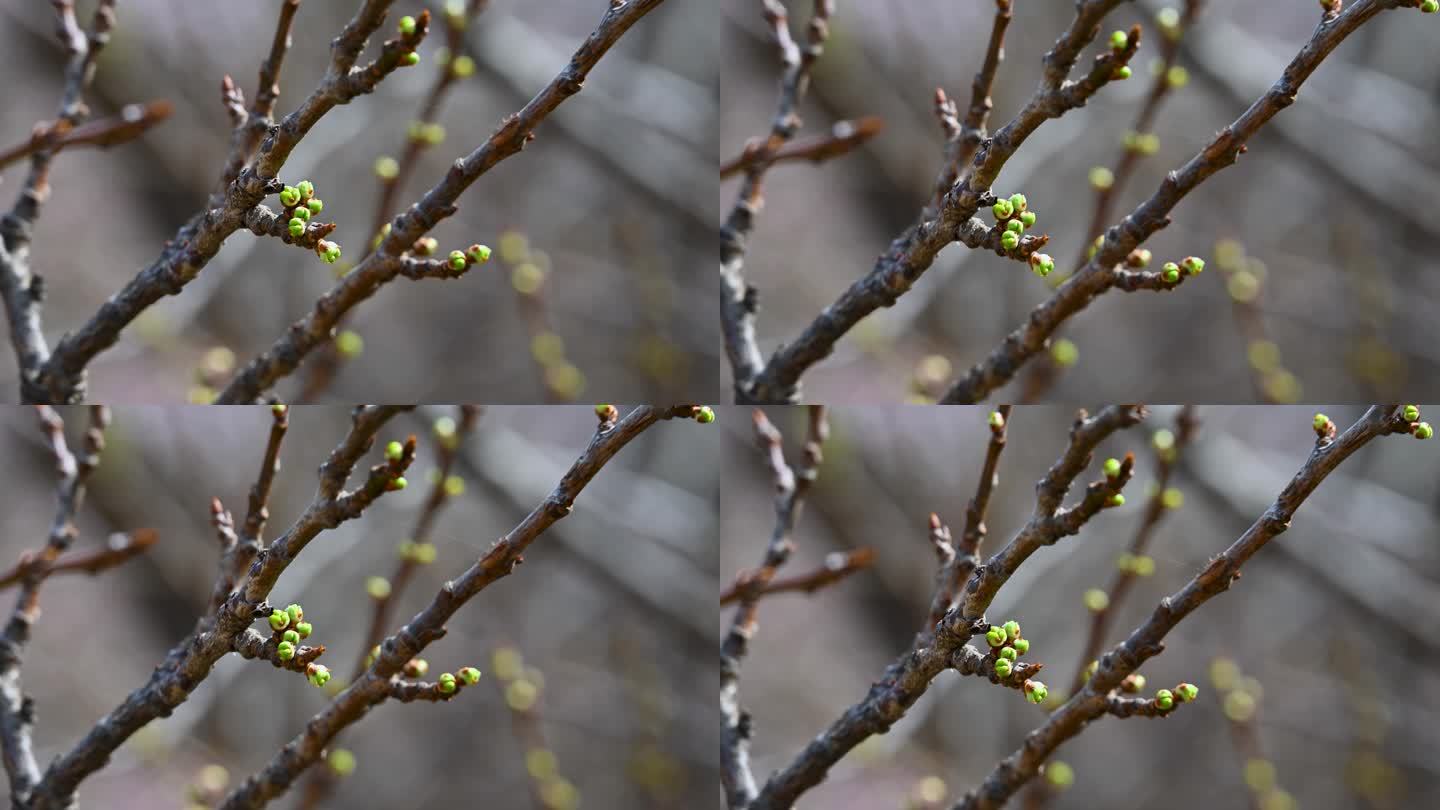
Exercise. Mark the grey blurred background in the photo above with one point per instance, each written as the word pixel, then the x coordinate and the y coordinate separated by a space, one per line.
pixel 616 191
pixel 1333 620
pixel 613 606
pixel 1330 201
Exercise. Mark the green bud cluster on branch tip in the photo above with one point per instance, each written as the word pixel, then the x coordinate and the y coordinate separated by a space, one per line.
pixel 469 675
pixel 1035 691
pixel 478 254
pixel 407 25
pixel 394 451
pixel 319 674
pixel 1042 264
pixel 1170 271
pixel 997 420
pixel 1192 265
pixel 1112 467
pixel 1410 413
pixel 1003 667
pixel 1119 40
pixel 1186 692
pixel 1321 422
pixel 704 414
pixel 285 650
pixel 327 250
pixel 446 682
pixel 1422 430
pixel 1165 699
pixel 457 260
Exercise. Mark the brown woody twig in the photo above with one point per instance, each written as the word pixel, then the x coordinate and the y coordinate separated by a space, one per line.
pixel 844 137
pixel 838 566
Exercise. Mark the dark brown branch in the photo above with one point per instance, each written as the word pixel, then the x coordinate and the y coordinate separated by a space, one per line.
pixel 191 661
pixel 383 265
pixel 791 487
pixel 132 122
pixel 964 138
pixel 1147 641
pixel 120 549
pixel 738 300
pixel 909 676
pixel 375 685
pixel 956 568
pixel 844 137
pixel 838 566
pixel 1103 271
pixel 1124 578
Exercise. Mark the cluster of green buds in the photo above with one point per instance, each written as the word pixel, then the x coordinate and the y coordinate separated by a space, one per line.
pixel 290 627
pixel 459 260
pixel 426 133
pixel 1145 144
pixel 318 674
pixel 1165 699
pixel 1013 216
pixel 1035 691
pixel 1005 640
pixel 416 553
pixel 1140 565
pixel 1189 266
pixel 448 682
pixel 1418 429
pixel 409 27
pixel 1119 42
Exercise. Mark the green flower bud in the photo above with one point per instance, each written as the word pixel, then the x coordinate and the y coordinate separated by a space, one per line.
pixel 315 206
pixel 295 612
pixel 342 761
pixel 997 420
pixel 995 636
pixel 1021 645
pixel 1186 692
pixel 1177 77
pixel 377 587
pixel 1429 7
pixel 1064 352
pixel 1143 566
pixel 1003 210
pixel 1122 73
pixel 1171 274
pixel 303 629
pixel 1117 499
pixel 319 674
pixel 1112 467
pixel 1028 219
pixel 479 254
pixel 349 344
pixel 330 252
pixel 278 409
pixel 410 59
pixel 424 553
pixel 416 668
pixel 1119 40
pixel 1101 178
pixel 454 486
pixel 1010 240
pixel 1042 264
pixel 291 636
pixel 1422 430
pixel 1019 203
pixel 1015 226
pixel 463 67
pixel 394 451
pixel 279 621
pixel 306 189
pixel 470 675
pixel 1134 683
pixel 1008 653
pixel 1411 413
pixel 1059 774
pixel 1320 421
pixel 1096 600
pixel 1193 265
pixel 285 650
pixel 1164 699
pixel 1035 691
pixel 398 484
pixel 1003 668
pixel 289 196
pixel 705 415
pixel 407 25
pixel 387 168
pixel 297 227
pixel 446 682
pixel 1012 630
pixel 457 260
